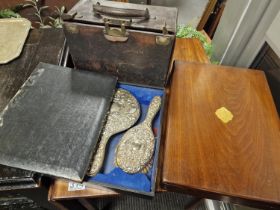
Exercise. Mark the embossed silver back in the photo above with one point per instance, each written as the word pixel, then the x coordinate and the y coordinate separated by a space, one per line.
pixel 124 113
pixel 136 148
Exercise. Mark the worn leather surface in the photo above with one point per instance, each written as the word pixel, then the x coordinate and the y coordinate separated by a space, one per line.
pixel 52 124
pixel 42 45
pixel 138 60
pixel 159 16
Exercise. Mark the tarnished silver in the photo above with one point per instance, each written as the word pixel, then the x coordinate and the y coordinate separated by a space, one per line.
pixel 135 149
pixel 124 113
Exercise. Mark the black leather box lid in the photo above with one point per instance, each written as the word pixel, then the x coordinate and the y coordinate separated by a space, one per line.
pixel 52 124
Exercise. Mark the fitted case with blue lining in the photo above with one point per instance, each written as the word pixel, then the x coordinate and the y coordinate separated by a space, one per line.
pixel 114 177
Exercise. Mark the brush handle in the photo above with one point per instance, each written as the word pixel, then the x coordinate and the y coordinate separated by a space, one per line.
pixel 99 156
pixel 152 111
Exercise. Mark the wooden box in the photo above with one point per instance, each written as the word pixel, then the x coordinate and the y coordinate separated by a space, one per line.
pixel 222 136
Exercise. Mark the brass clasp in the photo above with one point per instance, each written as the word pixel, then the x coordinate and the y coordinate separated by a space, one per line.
pixel 114 34
pixel 164 39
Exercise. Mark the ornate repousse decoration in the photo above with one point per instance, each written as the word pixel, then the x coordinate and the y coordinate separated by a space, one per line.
pixel 135 150
pixel 124 113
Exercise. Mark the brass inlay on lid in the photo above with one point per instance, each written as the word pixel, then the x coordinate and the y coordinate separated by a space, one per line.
pixel 224 114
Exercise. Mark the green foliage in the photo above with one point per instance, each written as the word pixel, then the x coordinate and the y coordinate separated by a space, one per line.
pixel 190 32
pixel 57 22
pixel 54 22
pixel 38 11
pixel 8 13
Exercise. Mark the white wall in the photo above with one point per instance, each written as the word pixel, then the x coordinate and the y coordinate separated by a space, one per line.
pixel 228 25
pixel 241 31
pixel 190 11
pixel 272 36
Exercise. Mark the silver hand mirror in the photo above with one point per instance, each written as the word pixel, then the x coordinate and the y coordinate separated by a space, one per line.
pixel 124 113
pixel 135 150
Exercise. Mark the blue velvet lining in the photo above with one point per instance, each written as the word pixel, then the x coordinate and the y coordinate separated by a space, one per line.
pixel 112 175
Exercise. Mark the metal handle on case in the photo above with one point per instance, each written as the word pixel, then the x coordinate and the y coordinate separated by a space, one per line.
pixel 120 12
pixel 120 17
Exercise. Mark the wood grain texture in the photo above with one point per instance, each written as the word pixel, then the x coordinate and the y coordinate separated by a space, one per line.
pixel 238 161
pixel 189 50
pixel 59 191
pixel 208 10
pixel 185 50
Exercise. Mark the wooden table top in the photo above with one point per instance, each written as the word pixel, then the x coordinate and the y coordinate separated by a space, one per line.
pixel 189 50
pixel 59 191
pixel 239 160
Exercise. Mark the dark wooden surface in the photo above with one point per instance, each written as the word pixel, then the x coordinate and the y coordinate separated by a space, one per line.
pixel 238 161
pixel 10 3
pixel 189 50
pixel 268 61
pixel 214 19
pixel 41 46
pixel 207 12
pixel 29 12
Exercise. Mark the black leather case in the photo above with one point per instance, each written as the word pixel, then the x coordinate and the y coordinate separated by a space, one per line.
pixel 52 124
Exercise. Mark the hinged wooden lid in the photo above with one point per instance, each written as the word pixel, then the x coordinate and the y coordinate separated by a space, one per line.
pixel 159 17
pixel 222 134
